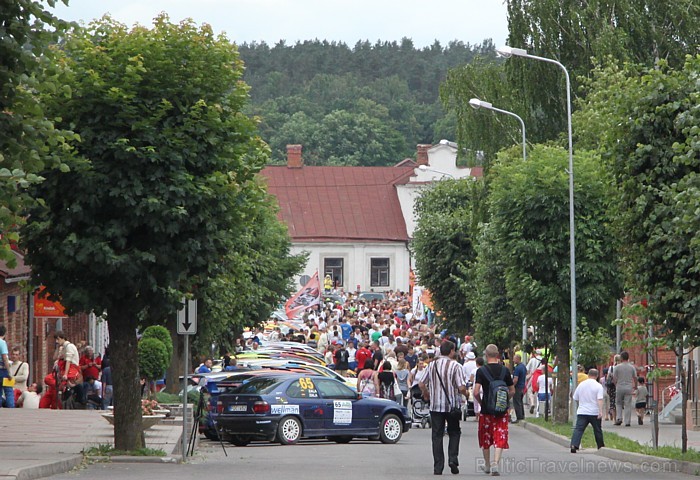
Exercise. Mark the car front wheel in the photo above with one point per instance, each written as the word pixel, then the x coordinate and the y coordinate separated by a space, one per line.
pixel 390 429
pixel 289 431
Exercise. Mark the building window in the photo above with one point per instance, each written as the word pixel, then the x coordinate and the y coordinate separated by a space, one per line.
pixel 379 272
pixel 334 268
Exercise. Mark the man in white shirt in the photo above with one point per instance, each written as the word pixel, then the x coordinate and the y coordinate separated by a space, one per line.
pixel 589 395
pixel 466 347
pixel 544 392
pixel 31 397
pixel 469 366
pixel 532 366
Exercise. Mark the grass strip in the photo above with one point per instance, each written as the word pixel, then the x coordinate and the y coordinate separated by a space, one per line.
pixel 107 450
pixel 613 440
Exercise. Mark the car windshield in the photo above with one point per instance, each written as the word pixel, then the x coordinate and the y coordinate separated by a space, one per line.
pixel 261 386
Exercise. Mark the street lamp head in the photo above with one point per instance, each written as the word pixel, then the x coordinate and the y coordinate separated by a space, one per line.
pixel 507 52
pixel 477 104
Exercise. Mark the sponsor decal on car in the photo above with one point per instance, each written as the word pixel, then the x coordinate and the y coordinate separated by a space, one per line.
pixel 284 409
pixel 342 412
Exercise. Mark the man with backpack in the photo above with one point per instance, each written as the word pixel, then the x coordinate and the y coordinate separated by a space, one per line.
pixel 496 384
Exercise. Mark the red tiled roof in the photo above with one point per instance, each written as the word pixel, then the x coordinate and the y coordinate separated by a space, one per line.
pixel 20 270
pixel 322 204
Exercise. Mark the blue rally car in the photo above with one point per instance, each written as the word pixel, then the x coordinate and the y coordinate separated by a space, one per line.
pixel 285 407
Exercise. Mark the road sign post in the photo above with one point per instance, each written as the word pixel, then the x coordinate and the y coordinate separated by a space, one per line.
pixel 186 325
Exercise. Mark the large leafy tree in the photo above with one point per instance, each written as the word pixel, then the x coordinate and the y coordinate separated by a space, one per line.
pixel 495 319
pixel 448 215
pixel 29 142
pixel 530 216
pixel 481 135
pixel 157 188
pixel 653 148
pixel 257 277
pixel 577 33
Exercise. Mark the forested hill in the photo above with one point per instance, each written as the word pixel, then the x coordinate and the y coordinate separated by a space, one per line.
pixel 366 105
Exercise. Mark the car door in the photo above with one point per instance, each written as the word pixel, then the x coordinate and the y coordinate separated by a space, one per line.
pixel 312 408
pixel 344 416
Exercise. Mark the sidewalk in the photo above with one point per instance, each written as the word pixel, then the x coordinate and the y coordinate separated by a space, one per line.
pixel 39 443
pixel 669 433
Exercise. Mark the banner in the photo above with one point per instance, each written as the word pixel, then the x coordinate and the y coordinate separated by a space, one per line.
pixel 308 296
pixel 43 307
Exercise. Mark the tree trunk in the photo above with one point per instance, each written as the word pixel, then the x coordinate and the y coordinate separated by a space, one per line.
pixel 123 347
pixel 561 396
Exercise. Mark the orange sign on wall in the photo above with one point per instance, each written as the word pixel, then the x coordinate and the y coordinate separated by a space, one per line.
pixel 43 307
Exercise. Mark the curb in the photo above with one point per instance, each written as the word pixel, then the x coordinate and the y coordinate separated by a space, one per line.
pixel 647 463
pixel 134 459
pixel 46 469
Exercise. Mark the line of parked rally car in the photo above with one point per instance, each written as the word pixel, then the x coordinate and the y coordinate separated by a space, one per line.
pixel 284 392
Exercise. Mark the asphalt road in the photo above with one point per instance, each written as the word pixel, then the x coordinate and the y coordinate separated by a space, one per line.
pixel 530 457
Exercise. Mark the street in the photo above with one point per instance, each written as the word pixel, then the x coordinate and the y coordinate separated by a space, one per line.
pixel 530 457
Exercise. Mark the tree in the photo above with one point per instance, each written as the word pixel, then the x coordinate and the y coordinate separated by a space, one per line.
pixel 530 216
pixel 157 187
pixel 153 359
pixel 593 347
pixel 495 319
pixel 655 159
pixel 477 132
pixel 161 333
pixel 257 276
pixel 448 214
pixel 580 33
pixel 29 142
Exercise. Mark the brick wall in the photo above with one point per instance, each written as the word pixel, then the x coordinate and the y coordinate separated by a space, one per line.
pixel 666 359
pixel 17 324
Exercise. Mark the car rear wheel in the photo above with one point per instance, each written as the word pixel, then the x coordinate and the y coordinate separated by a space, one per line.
pixel 341 439
pixel 390 429
pixel 240 440
pixel 211 434
pixel 289 431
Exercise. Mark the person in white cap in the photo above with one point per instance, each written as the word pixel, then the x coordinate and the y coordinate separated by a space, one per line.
pixel 469 366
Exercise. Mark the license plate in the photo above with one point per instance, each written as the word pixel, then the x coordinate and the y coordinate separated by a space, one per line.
pixel 237 408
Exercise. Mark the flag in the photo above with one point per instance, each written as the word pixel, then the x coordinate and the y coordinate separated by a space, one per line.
pixel 308 296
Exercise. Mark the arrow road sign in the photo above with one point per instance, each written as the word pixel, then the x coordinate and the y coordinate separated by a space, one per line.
pixel 187 318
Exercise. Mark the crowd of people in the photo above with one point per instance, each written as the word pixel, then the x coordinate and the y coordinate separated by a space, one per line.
pixel 80 379
pixel 396 353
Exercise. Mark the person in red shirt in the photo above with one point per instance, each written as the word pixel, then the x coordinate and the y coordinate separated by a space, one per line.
pixel 50 397
pixel 362 355
pixel 90 365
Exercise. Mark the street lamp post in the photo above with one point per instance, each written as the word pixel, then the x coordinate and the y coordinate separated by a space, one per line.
pixel 477 104
pixel 519 52
pixel 426 168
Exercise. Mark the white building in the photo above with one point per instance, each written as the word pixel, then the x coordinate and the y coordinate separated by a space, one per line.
pixel 356 222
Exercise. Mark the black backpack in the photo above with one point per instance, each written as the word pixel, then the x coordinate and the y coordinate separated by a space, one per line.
pixel 497 399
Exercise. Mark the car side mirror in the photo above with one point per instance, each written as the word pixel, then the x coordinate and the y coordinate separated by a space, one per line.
pixel 359 396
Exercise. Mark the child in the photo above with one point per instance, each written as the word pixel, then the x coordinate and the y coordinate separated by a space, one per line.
pixel 641 401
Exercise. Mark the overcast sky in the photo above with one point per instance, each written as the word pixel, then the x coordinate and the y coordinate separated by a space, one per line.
pixel 470 21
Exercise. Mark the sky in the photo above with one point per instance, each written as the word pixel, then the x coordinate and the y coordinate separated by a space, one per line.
pixel 349 21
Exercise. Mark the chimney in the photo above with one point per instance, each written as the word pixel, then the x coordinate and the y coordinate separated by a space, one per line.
pixel 294 159
pixel 422 153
